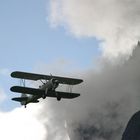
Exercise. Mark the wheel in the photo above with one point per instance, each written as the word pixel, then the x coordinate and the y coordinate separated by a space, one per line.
pixel 43 96
pixel 58 97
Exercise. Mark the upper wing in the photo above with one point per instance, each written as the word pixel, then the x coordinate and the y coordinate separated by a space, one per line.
pixel 33 76
pixel 39 92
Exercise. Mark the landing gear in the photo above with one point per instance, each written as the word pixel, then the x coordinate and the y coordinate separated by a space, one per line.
pixel 58 97
pixel 25 106
pixel 43 96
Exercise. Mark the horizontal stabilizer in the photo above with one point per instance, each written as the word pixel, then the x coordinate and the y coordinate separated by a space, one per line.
pixel 33 76
pixel 20 99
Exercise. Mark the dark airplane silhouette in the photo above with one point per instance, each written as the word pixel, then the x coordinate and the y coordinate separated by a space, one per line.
pixel 132 131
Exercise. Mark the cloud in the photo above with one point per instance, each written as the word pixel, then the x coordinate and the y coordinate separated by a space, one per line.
pixel 21 124
pixel 108 99
pixel 114 22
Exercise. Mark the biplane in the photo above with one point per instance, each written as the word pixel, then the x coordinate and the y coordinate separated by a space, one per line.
pixel 46 89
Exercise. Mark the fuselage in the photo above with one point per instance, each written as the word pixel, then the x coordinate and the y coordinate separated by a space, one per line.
pixel 49 85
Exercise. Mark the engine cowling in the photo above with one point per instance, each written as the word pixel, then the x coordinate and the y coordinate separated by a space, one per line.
pixel 51 85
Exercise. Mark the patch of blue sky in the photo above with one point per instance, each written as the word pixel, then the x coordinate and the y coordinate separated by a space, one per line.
pixel 80 51
pixel 26 39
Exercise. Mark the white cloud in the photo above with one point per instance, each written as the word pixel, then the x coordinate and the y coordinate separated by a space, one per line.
pixel 115 22
pixel 21 124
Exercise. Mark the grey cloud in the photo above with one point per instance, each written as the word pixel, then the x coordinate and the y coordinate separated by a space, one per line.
pixel 108 99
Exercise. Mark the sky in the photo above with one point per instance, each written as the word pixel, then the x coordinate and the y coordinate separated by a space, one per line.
pixel 92 40
pixel 25 32
pixel 28 41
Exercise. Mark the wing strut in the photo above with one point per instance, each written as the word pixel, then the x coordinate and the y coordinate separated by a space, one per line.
pixel 69 88
pixel 22 82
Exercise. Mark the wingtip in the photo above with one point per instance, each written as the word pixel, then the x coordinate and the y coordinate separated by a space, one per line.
pixel 13 73
pixel 81 81
pixel 77 95
pixel 13 99
pixel 11 88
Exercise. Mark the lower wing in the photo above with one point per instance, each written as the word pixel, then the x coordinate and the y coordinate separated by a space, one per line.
pixel 39 92
pixel 27 90
pixel 66 95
